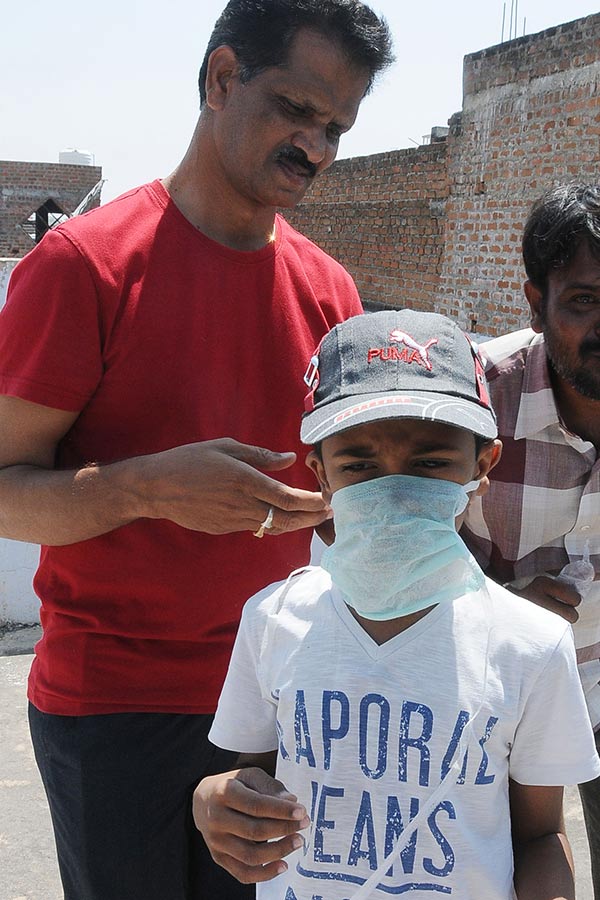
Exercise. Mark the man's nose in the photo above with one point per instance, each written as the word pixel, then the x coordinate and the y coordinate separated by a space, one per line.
pixel 313 141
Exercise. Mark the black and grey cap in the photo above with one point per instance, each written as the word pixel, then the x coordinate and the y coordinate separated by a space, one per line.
pixel 396 364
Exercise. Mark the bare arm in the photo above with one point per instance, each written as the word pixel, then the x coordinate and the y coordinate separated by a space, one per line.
pixel 543 860
pixel 213 486
pixel 248 819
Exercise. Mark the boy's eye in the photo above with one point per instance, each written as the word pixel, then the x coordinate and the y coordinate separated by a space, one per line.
pixel 357 466
pixel 431 463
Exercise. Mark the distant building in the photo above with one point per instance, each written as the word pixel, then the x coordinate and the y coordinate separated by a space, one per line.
pixel 36 196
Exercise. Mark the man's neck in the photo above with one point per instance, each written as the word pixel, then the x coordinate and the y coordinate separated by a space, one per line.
pixel 213 206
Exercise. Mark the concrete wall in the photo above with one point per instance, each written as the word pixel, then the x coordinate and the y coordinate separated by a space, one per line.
pixel 439 227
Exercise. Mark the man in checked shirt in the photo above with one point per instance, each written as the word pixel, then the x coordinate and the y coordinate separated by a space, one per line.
pixel 543 507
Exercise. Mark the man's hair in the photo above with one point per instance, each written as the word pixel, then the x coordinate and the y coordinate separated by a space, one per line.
pixel 559 222
pixel 260 33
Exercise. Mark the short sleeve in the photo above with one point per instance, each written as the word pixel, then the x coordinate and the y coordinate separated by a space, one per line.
pixel 554 742
pixel 50 345
pixel 246 717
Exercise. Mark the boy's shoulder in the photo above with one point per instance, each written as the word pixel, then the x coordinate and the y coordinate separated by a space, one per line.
pixel 303 587
pixel 518 620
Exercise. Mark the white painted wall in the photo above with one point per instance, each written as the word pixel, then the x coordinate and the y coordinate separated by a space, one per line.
pixel 18 561
pixel 6 267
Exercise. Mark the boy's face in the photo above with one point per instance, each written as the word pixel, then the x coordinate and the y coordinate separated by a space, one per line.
pixel 401 447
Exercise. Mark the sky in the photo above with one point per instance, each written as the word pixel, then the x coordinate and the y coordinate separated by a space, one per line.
pixel 118 78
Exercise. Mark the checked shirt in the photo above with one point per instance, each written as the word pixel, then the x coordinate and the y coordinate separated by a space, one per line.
pixel 543 505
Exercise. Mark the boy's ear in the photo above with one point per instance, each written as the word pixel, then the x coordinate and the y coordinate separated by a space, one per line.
pixel 489 456
pixel 534 298
pixel 315 464
pixel 222 66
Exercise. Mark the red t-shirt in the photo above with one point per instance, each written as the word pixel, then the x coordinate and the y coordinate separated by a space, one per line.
pixel 158 336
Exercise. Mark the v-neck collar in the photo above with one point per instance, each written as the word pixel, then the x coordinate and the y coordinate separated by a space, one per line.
pixel 381 651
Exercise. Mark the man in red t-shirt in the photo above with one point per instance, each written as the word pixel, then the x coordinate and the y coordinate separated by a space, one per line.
pixel 150 352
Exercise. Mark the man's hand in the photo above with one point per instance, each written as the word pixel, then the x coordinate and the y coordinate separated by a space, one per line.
pixel 216 487
pixel 553 594
pixel 250 822
pixel 211 486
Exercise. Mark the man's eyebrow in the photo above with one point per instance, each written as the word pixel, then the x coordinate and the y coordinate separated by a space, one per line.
pixel 583 285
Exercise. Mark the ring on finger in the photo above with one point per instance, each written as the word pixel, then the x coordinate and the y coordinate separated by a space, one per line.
pixel 266 525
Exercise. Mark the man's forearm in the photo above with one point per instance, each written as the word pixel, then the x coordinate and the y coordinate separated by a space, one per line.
pixel 46 506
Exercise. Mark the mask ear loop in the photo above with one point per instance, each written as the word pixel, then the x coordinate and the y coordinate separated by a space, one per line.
pixel 372 882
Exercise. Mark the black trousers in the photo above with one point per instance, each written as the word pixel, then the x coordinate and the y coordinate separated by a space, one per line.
pixel 120 790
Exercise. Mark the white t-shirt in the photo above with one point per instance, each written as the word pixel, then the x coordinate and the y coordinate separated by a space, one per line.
pixel 365 733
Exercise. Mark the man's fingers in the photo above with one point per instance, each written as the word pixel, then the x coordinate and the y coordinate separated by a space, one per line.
pixel 288 499
pixel 293 508
pixel 553 589
pixel 284 522
pixel 565 592
pixel 257 457
pixel 561 609
pixel 273 492
pixel 553 594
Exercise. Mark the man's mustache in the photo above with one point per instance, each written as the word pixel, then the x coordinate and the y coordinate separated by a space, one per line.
pixel 299 158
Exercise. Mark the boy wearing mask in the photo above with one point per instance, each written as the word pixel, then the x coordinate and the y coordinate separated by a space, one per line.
pixel 419 719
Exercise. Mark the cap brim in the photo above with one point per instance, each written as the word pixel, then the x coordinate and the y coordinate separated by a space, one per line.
pixel 335 417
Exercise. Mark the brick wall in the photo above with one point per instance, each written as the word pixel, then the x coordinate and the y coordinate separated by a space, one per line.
pixel 530 119
pixel 439 227
pixel 25 186
pixel 382 216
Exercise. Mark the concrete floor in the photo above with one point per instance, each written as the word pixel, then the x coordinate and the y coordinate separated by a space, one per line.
pixel 27 861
